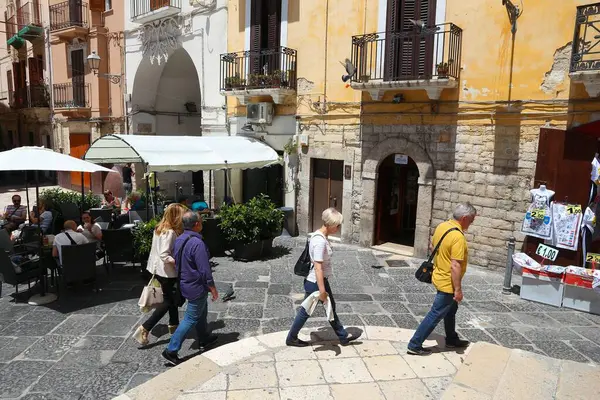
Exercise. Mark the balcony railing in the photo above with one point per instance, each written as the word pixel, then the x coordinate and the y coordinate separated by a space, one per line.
pixel 68 14
pixel 72 95
pixel 409 55
pixel 264 69
pixel 11 26
pixel 140 8
pixel 31 96
pixel 29 13
pixel 586 39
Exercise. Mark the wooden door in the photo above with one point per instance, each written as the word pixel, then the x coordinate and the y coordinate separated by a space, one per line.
pixel 78 77
pixel 408 54
pixel 328 188
pixel 79 143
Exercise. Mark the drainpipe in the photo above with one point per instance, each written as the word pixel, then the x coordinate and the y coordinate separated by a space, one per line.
pixel 49 62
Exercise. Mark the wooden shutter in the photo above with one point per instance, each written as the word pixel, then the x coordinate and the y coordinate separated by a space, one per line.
pixel 255 35
pixel 97 5
pixel 11 93
pixel 274 23
pixel 34 72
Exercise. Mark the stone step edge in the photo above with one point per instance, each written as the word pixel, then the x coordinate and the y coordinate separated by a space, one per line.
pixel 198 370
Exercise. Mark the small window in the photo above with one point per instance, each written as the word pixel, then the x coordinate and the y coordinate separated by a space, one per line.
pixel 107 5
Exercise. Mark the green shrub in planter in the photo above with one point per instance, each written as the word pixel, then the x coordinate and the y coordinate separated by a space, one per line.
pixel 247 225
pixel 142 238
pixel 54 198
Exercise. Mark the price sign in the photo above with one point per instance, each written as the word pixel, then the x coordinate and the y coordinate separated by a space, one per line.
pixel 538 213
pixel 592 258
pixel 573 209
pixel 546 252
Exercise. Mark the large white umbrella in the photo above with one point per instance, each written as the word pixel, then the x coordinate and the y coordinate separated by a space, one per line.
pixel 42 159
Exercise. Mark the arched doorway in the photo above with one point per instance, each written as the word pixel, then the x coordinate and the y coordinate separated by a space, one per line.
pixel 166 100
pixel 396 201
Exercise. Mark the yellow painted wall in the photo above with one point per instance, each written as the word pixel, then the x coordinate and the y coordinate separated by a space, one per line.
pixel 321 31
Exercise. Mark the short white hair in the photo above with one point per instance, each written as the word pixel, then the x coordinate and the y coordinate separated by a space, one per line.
pixel 332 217
pixel 464 210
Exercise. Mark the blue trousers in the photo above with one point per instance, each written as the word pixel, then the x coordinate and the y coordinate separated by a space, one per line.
pixel 195 315
pixel 444 307
pixel 302 316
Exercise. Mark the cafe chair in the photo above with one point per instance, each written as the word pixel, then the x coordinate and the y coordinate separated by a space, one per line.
pixel 78 264
pixel 29 270
pixel 101 214
pixel 70 211
pixel 118 244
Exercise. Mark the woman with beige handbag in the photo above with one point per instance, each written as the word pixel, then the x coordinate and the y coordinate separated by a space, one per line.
pixel 161 265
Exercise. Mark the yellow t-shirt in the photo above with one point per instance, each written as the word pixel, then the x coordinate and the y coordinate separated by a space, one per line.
pixel 454 247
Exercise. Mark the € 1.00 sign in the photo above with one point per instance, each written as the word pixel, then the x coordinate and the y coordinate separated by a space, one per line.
pixel 546 252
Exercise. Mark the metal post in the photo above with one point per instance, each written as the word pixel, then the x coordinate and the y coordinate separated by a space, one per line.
pixel 81 209
pixel 27 196
pixel 147 192
pixel 210 174
pixel 176 192
pixel 507 289
pixel 155 198
pixel 39 228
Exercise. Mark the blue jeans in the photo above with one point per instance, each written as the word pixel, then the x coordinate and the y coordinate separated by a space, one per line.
pixel 302 316
pixel 195 314
pixel 444 307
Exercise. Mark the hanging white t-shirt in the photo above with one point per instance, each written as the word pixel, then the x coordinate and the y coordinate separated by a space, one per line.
pixel 596 171
pixel 319 250
pixel 538 218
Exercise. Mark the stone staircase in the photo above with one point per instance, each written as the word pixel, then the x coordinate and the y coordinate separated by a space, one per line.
pixel 491 372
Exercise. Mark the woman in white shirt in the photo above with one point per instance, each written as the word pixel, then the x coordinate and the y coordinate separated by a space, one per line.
pixel 318 278
pixel 162 264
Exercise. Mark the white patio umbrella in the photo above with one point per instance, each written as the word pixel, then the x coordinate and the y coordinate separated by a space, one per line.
pixel 43 159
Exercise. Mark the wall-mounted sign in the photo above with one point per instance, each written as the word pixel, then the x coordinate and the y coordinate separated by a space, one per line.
pixel 347 172
pixel 400 159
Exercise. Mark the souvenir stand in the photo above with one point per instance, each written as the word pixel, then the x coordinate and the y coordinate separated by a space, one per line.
pixel 561 226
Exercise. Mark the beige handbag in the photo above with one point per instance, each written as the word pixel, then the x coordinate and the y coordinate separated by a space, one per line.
pixel 152 295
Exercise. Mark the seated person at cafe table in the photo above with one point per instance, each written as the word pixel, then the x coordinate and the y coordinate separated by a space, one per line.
pixel 67 238
pixel 110 201
pixel 135 202
pixel 15 214
pixel 91 230
pixel 40 216
pixel 185 201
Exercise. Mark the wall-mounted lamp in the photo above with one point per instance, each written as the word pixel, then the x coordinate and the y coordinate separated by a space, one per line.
pixel 94 63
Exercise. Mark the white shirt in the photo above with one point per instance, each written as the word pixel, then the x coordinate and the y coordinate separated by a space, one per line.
pixel 93 235
pixel 161 261
pixel 62 240
pixel 319 250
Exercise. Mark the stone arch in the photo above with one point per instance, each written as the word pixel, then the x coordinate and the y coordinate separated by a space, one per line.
pixel 370 166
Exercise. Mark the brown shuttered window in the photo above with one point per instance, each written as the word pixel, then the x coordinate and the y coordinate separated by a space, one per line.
pixel 265 32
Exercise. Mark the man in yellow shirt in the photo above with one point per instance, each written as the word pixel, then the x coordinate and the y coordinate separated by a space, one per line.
pixel 450 263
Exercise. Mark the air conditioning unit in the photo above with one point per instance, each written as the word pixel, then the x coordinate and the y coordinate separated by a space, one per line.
pixel 259 113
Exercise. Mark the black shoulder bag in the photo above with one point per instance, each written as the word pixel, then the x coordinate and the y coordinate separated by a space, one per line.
pixel 179 299
pixel 304 264
pixel 425 271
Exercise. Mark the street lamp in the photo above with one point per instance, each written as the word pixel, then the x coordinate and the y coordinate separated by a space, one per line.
pixel 94 63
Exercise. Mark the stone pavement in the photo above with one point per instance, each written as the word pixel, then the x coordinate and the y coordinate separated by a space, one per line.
pixel 374 367
pixel 262 368
pixel 79 346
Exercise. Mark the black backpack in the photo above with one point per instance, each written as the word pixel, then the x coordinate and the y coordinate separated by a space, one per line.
pixel 304 264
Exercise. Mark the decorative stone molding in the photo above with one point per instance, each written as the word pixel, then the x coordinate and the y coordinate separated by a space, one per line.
pixel 203 3
pixel 160 38
pixel 76 44
pixel 590 79
pixel 433 87
pixel 279 95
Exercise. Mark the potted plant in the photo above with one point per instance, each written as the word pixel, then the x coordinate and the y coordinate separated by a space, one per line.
pixel 251 227
pixel 365 78
pixel 233 82
pixel 443 69
pixel 276 78
pixel 253 80
pixel 142 240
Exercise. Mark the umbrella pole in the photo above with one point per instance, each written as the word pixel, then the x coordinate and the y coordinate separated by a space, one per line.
pixel 147 193
pixel 210 174
pixel 43 297
pixel 27 195
pixel 155 198
pixel 82 194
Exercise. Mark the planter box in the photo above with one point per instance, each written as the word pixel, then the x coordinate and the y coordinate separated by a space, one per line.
pixel 543 287
pixel 248 252
pixel 267 247
pixel 579 294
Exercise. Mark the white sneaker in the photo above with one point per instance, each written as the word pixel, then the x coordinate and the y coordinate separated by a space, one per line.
pixel 141 336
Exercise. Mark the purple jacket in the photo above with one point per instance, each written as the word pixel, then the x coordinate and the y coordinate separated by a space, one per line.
pixel 196 275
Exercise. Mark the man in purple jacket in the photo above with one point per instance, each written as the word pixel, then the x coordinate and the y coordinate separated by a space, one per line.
pixel 196 282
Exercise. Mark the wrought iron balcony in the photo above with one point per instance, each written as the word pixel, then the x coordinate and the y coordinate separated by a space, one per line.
pixel 143 11
pixel 69 18
pixel 423 58
pixel 585 56
pixel 32 96
pixel 269 72
pixel 71 95
pixel 26 24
